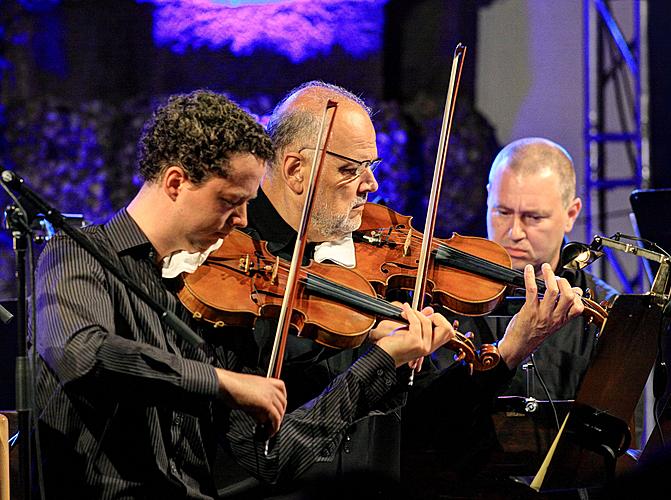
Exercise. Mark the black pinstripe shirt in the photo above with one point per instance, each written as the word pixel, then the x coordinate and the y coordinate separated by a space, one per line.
pixel 129 410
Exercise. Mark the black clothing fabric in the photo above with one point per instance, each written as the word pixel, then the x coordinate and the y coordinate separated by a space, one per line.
pixel 563 358
pixel 459 454
pixel 127 409
pixel 371 447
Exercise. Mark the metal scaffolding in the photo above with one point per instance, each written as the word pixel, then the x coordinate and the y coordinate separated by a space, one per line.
pixel 616 116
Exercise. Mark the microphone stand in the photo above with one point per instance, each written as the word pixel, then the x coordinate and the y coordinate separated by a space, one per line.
pixel 16 222
pixel 13 181
pixel 17 219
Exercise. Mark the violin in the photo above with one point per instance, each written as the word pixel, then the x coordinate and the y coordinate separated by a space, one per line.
pixel 335 306
pixel 467 275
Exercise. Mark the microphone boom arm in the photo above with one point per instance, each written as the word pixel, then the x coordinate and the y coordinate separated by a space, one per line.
pixel 660 286
pixel 15 183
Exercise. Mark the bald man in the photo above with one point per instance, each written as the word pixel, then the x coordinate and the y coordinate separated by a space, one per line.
pixel 532 203
pixel 369 448
pixel 531 206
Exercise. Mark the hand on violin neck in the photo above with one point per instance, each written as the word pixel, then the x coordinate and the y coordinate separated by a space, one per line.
pixel 264 399
pixel 425 332
pixel 539 318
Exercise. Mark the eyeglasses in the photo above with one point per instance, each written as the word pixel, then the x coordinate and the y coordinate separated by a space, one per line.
pixel 361 165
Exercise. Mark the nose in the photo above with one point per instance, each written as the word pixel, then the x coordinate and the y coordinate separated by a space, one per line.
pixel 368 182
pixel 239 216
pixel 517 231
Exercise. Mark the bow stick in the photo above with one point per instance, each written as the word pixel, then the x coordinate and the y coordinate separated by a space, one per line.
pixel 438 172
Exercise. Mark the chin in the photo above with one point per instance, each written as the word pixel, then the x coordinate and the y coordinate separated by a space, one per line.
pixel 353 223
pixel 520 264
pixel 201 246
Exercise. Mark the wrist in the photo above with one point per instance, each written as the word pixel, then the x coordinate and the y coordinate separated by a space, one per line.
pixel 509 355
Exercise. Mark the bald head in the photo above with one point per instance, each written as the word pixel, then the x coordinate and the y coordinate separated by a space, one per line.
pixel 535 155
pixel 343 186
pixel 295 121
pixel 531 202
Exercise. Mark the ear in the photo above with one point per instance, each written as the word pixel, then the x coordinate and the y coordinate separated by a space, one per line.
pixel 572 212
pixel 293 172
pixel 174 179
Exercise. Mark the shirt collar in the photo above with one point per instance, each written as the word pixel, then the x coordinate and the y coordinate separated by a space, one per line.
pixel 123 232
pixel 263 219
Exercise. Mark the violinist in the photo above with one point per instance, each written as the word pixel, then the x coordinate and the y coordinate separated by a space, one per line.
pixel 369 449
pixel 129 409
pixel 531 207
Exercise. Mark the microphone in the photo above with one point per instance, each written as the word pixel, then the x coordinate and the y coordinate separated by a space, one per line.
pixel 576 255
pixel 35 204
pixel 11 180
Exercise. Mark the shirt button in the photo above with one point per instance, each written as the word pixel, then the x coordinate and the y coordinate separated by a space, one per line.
pixel 347 449
pixel 173 468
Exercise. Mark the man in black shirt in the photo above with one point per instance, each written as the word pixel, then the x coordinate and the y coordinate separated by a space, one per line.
pixel 126 407
pixel 531 206
pixel 367 457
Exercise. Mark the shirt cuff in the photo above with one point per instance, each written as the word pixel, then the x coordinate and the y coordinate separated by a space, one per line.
pixel 199 378
pixel 377 370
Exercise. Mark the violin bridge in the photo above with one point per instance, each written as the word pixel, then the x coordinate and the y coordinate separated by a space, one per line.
pixel 406 244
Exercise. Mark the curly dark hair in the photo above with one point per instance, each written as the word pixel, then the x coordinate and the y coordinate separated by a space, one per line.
pixel 199 131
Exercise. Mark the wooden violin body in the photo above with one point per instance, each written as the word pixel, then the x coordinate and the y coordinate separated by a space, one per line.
pixel 467 275
pixel 390 248
pixel 335 306
pixel 242 281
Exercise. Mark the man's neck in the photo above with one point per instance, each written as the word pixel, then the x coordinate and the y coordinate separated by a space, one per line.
pixel 148 212
pixel 281 201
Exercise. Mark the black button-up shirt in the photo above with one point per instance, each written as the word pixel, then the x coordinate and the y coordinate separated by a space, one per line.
pixel 127 409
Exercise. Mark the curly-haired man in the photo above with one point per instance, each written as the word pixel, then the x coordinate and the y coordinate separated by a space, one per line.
pixel 127 408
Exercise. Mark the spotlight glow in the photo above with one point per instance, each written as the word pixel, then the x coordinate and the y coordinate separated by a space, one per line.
pixel 298 29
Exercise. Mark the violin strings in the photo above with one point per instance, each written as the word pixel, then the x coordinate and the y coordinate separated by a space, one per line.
pixel 477 265
pixel 483 267
pixel 355 298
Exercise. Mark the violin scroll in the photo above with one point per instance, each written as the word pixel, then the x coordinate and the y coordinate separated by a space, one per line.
pixel 485 359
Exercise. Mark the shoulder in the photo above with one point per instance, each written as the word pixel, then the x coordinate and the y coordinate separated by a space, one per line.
pixel 61 249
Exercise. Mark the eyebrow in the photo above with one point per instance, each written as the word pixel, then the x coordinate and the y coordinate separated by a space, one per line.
pixel 238 198
pixel 538 211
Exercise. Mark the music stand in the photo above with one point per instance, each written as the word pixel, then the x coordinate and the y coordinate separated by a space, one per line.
pixel 653 217
pixel 595 433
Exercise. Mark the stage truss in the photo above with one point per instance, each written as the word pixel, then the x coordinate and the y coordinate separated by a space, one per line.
pixel 616 118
